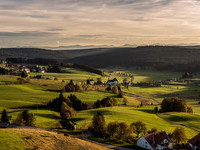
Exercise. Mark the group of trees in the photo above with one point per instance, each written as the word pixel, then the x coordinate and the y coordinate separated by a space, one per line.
pixel 187 75
pixel 71 101
pixel 119 130
pixel 116 90
pixel 149 84
pixel 3 71
pixel 175 104
pixel 24 118
pixel 41 61
pixel 71 87
pixel 54 69
pixel 106 102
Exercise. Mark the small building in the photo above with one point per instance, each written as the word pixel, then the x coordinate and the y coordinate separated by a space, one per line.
pixel 155 141
pixel 195 142
pixel 113 82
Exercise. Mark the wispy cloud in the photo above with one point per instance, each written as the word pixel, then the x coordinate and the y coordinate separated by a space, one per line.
pixel 99 22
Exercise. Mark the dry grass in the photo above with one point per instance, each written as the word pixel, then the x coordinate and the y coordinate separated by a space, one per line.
pixel 42 140
pixel 136 101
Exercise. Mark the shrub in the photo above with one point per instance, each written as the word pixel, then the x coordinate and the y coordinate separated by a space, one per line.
pixel 106 102
pixel 175 104
pixel 25 118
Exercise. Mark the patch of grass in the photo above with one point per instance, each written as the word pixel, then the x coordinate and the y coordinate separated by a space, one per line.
pixel 128 115
pixel 10 140
pixel 31 139
pixel 187 119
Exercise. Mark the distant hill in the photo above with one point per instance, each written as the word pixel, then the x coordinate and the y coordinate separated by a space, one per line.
pixel 48 54
pixel 141 56
pixel 160 57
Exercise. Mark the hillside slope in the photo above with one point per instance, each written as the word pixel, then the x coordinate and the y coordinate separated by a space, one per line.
pixel 140 56
pixel 11 139
pixel 32 53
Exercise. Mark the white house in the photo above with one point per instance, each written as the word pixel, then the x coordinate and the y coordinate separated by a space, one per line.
pixel 195 142
pixel 155 141
pixel 113 82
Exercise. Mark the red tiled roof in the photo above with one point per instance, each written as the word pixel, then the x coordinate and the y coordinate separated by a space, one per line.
pixel 194 139
pixel 156 138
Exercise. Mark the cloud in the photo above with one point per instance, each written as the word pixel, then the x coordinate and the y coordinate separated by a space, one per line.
pixel 27 33
pixel 99 22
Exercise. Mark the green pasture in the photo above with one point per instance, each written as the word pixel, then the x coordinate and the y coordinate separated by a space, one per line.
pixel 144 75
pixel 10 140
pixel 72 74
pixel 191 120
pixel 128 115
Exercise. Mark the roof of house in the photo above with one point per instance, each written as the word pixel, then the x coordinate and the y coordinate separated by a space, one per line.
pixel 156 138
pixel 195 139
pixel 112 80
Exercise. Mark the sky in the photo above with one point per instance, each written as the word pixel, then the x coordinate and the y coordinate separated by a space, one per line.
pixel 56 23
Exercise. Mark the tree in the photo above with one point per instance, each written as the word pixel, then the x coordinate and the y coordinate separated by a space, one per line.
pixel 112 128
pixel 66 112
pixel 24 74
pixel 175 104
pixel 138 127
pixel 125 101
pixel 179 135
pixel 153 130
pixel 123 130
pixel 98 125
pixel 25 118
pixel 4 116
pixel 115 90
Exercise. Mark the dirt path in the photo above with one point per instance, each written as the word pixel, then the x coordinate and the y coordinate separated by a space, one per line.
pixel 177 123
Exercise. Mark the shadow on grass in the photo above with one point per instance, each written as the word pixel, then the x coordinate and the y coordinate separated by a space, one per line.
pixel 51 116
pixel 179 119
pixel 77 119
pixel 104 112
pixel 146 111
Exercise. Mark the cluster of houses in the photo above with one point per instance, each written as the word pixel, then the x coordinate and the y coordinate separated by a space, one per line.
pixel 26 68
pixel 161 141
pixel 116 82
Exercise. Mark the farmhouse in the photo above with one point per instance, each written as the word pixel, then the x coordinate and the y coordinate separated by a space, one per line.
pixel 112 82
pixel 155 141
pixel 195 142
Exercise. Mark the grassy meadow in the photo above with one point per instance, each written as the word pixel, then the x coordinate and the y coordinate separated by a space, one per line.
pixel 128 115
pixel 41 91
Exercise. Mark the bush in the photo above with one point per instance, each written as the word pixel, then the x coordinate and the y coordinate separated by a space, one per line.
pixel 175 104
pixel 25 118
pixel 106 102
